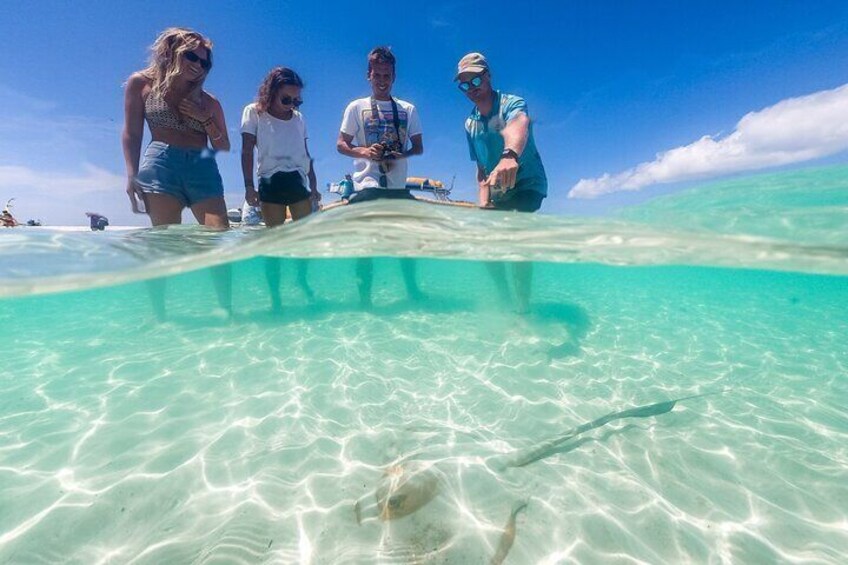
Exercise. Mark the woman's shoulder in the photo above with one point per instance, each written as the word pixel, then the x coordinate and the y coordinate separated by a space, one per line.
pixel 209 98
pixel 138 81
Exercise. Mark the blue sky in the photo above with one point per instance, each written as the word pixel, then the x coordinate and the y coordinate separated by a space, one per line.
pixel 610 85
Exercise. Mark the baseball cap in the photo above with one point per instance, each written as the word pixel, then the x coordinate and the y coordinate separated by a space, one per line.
pixel 472 63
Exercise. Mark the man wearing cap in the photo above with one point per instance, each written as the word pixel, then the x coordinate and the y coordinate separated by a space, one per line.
pixel 510 175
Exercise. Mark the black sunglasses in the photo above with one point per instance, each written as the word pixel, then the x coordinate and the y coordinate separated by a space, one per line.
pixel 191 56
pixel 467 85
pixel 289 101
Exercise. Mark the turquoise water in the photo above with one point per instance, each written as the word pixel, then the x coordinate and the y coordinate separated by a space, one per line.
pixel 251 438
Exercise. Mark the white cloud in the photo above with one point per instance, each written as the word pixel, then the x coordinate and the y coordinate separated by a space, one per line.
pixel 24 180
pixel 791 131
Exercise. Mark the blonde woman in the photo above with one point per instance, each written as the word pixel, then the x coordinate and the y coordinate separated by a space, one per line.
pixel 178 170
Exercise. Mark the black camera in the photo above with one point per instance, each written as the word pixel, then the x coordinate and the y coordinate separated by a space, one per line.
pixel 391 150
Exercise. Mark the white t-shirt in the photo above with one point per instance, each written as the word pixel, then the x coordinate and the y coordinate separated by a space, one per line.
pixel 280 144
pixel 366 131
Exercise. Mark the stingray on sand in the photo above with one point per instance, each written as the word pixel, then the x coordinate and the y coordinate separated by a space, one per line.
pixel 409 484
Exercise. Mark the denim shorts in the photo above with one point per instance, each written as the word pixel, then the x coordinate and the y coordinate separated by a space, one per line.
pixel 189 175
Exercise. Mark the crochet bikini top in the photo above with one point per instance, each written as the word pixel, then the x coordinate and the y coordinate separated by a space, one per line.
pixel 160 115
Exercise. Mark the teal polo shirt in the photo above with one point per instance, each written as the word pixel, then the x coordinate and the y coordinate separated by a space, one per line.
pixel 486 144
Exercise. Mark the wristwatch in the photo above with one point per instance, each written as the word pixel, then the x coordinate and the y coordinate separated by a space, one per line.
pixel 509 153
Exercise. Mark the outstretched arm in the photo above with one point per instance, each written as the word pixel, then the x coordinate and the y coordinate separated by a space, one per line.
pixel 515 138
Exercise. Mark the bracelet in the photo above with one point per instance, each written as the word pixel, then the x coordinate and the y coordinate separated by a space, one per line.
pixel 207 122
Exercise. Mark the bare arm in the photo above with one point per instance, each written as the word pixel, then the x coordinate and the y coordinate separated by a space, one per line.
pixel 515 133
pixel 515 137
pixel 216 129
pixel 313 179
pixel 248 143
pixel 133 133
pixel 417 146
pixel 133 123
pixel 345 146
pixel 211 115
pixel 483 192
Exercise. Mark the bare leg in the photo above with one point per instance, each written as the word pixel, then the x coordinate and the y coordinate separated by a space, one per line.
pixel 156 291
pixel 212 213
pixel 301 210
pixel 522 277
pixel 497 270
pixel 273 214
pixel 364 279
pixel 272 274
pixel 163 210
pixel 407 267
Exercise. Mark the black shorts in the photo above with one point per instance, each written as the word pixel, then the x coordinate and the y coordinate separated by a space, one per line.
pixel 285 188
pixel 374 193
pixel 521 201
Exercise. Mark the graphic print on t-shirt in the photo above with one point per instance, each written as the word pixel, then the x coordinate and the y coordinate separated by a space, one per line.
pixel 381 129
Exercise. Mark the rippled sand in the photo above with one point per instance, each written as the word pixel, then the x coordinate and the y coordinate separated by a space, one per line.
pixel 205 439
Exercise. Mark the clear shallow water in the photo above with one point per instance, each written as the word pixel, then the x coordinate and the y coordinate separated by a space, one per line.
pixel 207 439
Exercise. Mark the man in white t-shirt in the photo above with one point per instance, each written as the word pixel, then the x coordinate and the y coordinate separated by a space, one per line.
pixel 380 132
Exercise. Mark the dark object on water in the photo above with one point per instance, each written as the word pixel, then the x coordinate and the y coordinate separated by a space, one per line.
pixel 98 222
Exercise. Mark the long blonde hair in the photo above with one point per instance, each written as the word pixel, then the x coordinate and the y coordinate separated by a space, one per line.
pixel 166 56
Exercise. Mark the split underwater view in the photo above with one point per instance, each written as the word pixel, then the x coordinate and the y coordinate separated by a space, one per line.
pixel 674 391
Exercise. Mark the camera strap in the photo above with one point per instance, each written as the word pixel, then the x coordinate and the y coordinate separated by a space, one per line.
pixel 375 115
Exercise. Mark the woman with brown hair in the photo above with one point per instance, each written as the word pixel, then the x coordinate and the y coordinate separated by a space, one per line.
pixel 275 130
pixel 178 171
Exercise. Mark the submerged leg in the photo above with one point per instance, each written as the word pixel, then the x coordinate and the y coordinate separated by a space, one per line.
pixel 522 277
pixel 408 268
pixel 497 270
pixel 156 291
pixel 222 278
pixel 302 266
pixel 272 274
pixel 364 279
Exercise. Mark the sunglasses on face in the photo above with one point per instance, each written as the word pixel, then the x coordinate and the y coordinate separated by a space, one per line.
pixel 289 101
pixel 467 85
pixel 192 57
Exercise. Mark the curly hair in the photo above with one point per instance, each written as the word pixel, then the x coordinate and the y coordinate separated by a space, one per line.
pixel 276 78
pixel 379 55
pixel 166 56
